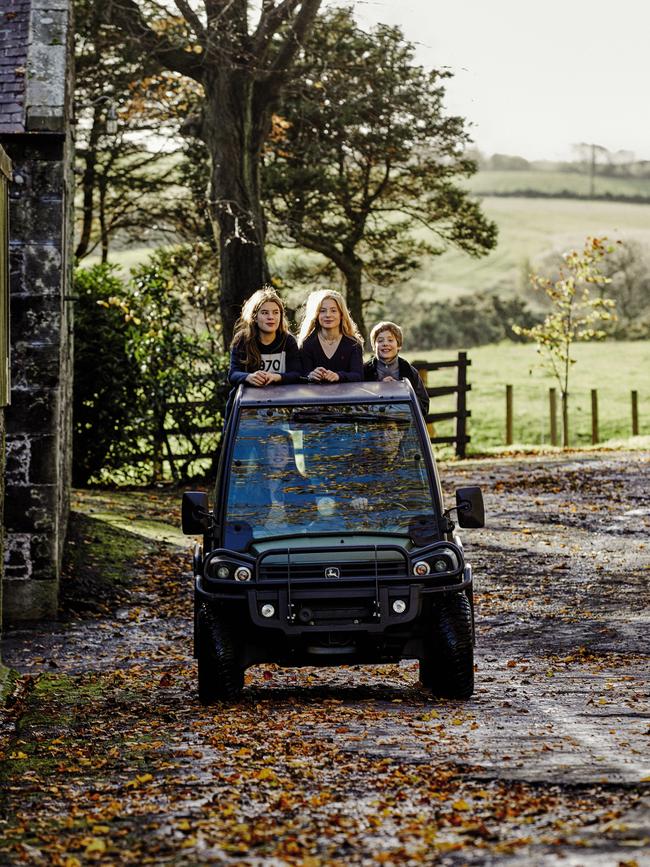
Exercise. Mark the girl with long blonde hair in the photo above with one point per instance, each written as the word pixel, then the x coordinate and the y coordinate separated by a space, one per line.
pixel 331 347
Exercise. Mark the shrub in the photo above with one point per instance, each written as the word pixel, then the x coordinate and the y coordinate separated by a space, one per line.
pixel 106 376
pixel 167 373
pixel 471 320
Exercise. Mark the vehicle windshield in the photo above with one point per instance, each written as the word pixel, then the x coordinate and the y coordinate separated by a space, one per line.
pixel 311 469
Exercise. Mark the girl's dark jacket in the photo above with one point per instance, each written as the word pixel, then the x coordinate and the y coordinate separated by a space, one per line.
pixel 347 361
pixel 406 371
pixel 281 357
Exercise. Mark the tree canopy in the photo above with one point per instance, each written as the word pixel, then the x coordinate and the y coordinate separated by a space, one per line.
pixel 124 172
pixel 241 55
pixel 364 164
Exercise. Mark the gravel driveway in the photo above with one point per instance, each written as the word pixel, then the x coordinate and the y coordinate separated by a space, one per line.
pixel 548 763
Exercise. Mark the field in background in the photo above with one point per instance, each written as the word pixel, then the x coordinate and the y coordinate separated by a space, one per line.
pixel 528 229
pixel 555 183
pixel 614 368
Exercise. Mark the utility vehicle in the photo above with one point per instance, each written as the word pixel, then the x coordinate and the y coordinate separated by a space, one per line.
pixel 328 542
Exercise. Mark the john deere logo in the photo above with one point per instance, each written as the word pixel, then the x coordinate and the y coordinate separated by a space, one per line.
pixel 332 572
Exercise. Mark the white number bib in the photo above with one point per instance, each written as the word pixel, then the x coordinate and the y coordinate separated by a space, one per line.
pixel 273 362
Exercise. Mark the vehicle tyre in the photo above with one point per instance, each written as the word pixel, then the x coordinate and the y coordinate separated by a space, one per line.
pixel 221 676
pixel 426 672
pixel 448 667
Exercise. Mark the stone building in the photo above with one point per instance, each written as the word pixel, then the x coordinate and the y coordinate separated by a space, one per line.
pixel 5 178
pixel 35 131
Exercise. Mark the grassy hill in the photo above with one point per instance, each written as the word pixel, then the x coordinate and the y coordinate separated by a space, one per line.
pixel 549 183
pixel 528 229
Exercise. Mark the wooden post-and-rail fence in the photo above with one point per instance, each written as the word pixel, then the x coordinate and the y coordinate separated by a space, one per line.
pixel 553 415
pixel 169 449
pixel 460 438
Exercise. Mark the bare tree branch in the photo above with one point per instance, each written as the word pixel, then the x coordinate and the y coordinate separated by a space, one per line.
pixel 214 9
pixel 294 40
pixel 192 19
pixel 271 20
pixel 128 15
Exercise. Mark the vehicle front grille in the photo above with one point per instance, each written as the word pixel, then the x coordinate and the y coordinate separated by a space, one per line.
pixel 348 570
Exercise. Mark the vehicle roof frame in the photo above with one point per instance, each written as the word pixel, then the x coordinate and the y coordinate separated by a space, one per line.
pixel 315 394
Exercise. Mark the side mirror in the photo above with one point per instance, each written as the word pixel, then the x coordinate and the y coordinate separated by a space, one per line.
pixel 194 513
pixel 471 511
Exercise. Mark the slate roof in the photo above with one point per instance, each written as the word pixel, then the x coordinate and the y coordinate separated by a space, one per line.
pixel 14 36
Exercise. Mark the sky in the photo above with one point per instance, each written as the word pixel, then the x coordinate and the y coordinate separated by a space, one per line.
pixel 532 78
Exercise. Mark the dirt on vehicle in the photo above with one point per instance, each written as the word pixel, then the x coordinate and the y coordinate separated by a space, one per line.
pixel 108 757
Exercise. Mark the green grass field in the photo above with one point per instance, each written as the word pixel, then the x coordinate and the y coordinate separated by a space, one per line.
pixel 614 368
pixel 555 183
pixel 528 229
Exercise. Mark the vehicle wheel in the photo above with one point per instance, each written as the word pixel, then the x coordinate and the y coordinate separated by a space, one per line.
pixel 426 672
pixel 221 676
pixel 448 667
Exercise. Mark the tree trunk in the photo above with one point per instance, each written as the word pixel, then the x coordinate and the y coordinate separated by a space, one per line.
pixel 353 278
pixel 88 187
pixel 235 136
pixel 565 420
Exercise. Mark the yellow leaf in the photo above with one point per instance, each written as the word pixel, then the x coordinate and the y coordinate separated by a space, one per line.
pixel 101 829
pixel 266 774
pixel 95 846
pixel 18 755
pixel 460 805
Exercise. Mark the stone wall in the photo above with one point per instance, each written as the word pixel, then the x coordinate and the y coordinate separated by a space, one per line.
pixel 39 419
pixel 36 135
pixel 5 180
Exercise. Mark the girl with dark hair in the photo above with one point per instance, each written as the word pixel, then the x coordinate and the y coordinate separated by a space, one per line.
pixel 263 352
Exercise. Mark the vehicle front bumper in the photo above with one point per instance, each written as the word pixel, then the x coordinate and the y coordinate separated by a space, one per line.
pixel 317 605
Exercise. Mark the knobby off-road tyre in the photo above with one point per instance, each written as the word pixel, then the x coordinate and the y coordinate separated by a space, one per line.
pixel 221 676
pixel 448 667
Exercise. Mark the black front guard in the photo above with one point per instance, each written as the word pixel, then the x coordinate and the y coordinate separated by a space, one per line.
pixel 373 594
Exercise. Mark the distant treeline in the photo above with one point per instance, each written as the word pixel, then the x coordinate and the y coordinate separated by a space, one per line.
pixel 604 164
pixel 530 193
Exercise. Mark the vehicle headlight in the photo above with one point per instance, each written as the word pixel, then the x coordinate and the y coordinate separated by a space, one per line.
pixel 439 562
pixel 445 560
pixel 243 573
pixel 223 570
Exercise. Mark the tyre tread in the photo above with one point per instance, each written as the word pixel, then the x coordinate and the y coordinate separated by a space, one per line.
pixel 221 677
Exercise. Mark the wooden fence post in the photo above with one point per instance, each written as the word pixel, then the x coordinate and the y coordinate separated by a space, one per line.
pixel 508 415
pixel 552 403
pixel 635 413
pixel 421 368
pixel 461 408
pixel 594 416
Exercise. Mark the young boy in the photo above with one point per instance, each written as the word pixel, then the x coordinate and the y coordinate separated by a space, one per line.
pixel 386 342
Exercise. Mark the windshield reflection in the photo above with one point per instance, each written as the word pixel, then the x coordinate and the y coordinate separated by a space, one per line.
pixel 308 470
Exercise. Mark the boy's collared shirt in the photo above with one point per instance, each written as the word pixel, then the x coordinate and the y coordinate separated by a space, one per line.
pixel 405 371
